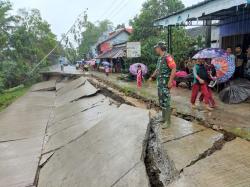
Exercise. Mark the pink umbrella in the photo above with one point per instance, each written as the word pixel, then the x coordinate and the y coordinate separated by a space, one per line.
pixel 91 62
pixel 134 67
pixel 181 74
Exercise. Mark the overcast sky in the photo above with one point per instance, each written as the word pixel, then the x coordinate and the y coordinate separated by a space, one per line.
pixel 62 13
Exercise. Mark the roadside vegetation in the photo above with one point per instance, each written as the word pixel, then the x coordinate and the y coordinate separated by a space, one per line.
pixel 148 35
pixel 25 38
pixel 9 96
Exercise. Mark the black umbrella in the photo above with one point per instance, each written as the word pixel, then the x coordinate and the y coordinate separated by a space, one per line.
pixel 237 92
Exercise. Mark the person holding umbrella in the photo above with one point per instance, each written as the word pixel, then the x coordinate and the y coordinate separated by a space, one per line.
pixel 106 65
pixel 200 83
pixel 139 77
pixel 165 73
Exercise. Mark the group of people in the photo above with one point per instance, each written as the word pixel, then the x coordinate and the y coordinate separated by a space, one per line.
pixel 204 78
pixel 242 61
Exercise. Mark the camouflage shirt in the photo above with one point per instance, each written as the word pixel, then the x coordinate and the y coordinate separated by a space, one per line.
pixel 165 65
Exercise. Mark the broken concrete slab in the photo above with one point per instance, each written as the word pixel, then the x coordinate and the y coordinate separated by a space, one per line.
pixel 229 167
pixel 179 128
pixel 60 85
pixel 69 86
pixel 66 131
pixel 70 109
pixel 44 86
pixel 107 153
pixel 55 70
pixel 187 149
pixel 134 178
pixel 22 131
pixel 45 158
pixel 92 113
pixel 19 161
pixel 85 90
pixel 27 117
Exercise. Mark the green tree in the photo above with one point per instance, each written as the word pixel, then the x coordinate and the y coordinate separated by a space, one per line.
pixel 120 26
pixel 6 21
pixel 91 35
pixel 152 9
pixel 144 31
pixel 25 39
pixel 183 45
pixel 32 38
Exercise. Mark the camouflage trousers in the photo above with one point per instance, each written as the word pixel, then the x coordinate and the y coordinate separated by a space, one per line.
pixel 163 93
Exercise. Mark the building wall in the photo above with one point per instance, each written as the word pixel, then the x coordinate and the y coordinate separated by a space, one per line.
pixel 215 37
pixel 236 25
pixel 121 38
pixel 236 31
pixel 105 46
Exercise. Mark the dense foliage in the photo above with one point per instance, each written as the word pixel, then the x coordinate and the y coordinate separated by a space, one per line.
pixel 148 35
pixel 25 39
pixel 91 35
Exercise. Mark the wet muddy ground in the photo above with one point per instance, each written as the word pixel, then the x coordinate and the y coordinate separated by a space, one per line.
pixel 231 118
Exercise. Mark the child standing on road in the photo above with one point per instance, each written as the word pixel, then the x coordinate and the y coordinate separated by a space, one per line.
pixel 107 70
pixel 139 77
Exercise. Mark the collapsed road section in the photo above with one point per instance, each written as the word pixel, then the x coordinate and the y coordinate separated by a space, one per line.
pixel 188 154
pixel 70 133
pixel 92 141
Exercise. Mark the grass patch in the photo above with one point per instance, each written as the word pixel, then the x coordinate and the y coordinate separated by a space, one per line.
pixel 128 90
pixel 9 97
pixel 241 132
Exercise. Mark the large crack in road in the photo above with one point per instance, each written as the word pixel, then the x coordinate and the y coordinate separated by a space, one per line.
pixel 160 167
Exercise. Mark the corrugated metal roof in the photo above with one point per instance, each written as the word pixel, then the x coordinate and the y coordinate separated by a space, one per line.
pixel 113 53
pixel 199 11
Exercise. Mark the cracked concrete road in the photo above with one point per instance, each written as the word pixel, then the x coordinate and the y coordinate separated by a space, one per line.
pixel 228 167
pixel 94 142
pixel 45 86
pixel 72 137
pixel 22 128
pixel 110 154
pixel 76 136
pixel 192 148
pixel 204 158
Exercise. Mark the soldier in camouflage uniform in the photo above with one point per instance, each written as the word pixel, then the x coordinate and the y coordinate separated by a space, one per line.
pixel 165 72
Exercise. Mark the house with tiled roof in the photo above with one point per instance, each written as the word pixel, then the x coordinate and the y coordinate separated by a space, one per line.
pixel 117 37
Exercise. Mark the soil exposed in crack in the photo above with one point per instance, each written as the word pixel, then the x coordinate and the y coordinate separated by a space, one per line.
pixel 160 168
pixel 154 105
pixel 108 93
